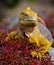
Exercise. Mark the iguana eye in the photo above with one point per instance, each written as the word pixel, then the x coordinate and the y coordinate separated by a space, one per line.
pixel 25 15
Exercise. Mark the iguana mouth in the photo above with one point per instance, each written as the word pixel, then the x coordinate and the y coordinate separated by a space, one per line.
pixel 32 21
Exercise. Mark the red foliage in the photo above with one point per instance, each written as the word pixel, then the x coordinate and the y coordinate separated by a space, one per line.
pixel 17 53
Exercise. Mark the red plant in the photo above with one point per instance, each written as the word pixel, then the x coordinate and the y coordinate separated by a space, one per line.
pixel 14 52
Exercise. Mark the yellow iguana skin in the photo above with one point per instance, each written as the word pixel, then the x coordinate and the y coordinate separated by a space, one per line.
pixel 40 41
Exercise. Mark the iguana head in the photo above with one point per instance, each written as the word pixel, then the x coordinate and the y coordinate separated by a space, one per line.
pixel 27 20
pixel 28 14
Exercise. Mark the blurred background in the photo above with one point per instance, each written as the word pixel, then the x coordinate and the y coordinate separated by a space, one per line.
pixel 10 10
pixel 14 7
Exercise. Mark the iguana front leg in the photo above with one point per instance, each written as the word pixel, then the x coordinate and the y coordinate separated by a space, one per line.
pixel 42 43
